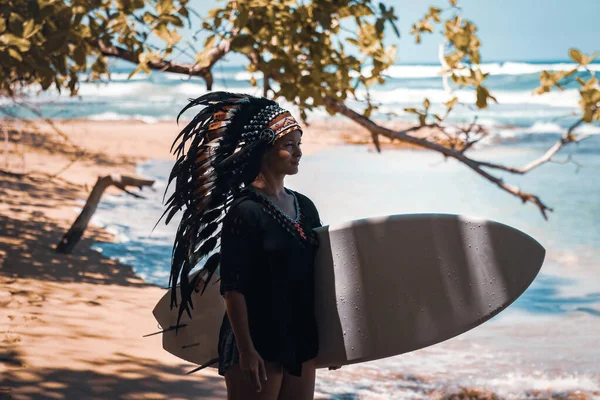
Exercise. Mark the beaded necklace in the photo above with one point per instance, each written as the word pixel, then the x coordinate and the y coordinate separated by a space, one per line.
pixel 280 215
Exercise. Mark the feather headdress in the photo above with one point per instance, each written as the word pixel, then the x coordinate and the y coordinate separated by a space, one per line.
pixel 225 142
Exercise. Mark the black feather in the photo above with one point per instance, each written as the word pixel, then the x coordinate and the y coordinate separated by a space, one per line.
pixel 211 266
pixel 210 170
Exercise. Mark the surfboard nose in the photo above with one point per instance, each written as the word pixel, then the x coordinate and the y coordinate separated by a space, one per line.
pixel 404 282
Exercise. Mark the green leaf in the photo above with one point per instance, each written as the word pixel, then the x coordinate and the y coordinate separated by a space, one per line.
pixel 28 28
pixel 411 110
pixel 164 6
pixel 353 41
pixel 426 104
pixel 242 43
pixel 379 26
pixel 135 71
pixel 576 56
pixel 15 54
pixel 482 96
pixel 588 115
pixel 214 12
pixel 78 55
pixel 242 18
pixel 451 103
pixel 8 39
pixel 360 10
pixel 172 19
pixel 209 43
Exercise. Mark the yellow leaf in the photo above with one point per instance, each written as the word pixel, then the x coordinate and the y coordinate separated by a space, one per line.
pixel 482 96
pixel 411 110
pixel 576 55
pixel 426 104
pixel 135 71
pixel 541 90
pixel 15 54
pixel 588 115
pixel 451 103
pixel 28 28
pixel 209 43
pixel 453 2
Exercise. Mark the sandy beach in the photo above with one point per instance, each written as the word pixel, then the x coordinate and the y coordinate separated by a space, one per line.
pixel 72 325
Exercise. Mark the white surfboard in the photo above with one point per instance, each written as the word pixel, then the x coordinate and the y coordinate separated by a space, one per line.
pixel 387 286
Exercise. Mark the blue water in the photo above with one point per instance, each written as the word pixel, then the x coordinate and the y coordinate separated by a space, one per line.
pixel 351 182
pixel 546 340
pixel 160 96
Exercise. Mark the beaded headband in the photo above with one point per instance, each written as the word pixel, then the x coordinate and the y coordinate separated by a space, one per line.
pixel 278 122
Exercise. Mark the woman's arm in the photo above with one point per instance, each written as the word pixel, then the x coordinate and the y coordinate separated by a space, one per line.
pixel 251 363
pixel 238 316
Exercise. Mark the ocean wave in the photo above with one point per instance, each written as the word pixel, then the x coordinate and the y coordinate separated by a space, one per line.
pixel 115 89
pixel 400 71
pixel 507 68
pixel 124 76
pixel 546 127
pixel 568 98
pixel 114 116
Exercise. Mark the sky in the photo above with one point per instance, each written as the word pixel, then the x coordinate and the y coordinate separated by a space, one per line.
pixel 510 30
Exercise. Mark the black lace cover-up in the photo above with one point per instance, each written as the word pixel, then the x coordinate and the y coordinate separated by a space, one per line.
pixel 271 261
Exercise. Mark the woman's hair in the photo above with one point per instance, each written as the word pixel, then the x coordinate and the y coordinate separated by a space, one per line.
pixel 225 142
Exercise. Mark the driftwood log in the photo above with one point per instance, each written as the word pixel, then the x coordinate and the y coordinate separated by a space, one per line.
pixel 70 239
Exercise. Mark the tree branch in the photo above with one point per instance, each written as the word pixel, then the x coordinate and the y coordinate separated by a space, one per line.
pixel 70 239
pixel 547 157
pixel 458 155
pixel 213 56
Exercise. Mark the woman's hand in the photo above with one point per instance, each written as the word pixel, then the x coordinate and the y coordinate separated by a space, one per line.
pixel 334 367
pixel 253 367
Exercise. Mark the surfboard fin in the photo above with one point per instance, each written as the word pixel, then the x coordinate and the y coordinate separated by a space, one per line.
pixel 172 327
pixel 208 364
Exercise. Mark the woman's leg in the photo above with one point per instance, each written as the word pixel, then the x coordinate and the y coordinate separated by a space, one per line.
pixel 239 388
pixel 299 388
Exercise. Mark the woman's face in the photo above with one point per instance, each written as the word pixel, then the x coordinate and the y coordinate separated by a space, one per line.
pixel 284 156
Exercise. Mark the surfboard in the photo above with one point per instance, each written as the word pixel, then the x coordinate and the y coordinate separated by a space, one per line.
pixel 387 286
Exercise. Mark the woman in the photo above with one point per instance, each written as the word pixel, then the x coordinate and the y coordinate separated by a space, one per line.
pixel 232 175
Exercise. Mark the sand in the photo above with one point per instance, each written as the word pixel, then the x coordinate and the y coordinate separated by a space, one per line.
pixel 72 325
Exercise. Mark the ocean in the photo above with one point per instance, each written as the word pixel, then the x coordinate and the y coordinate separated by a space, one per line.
pixel 160 96
pixel 545 344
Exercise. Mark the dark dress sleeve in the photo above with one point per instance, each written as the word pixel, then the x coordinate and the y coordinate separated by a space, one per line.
pixel 239 247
